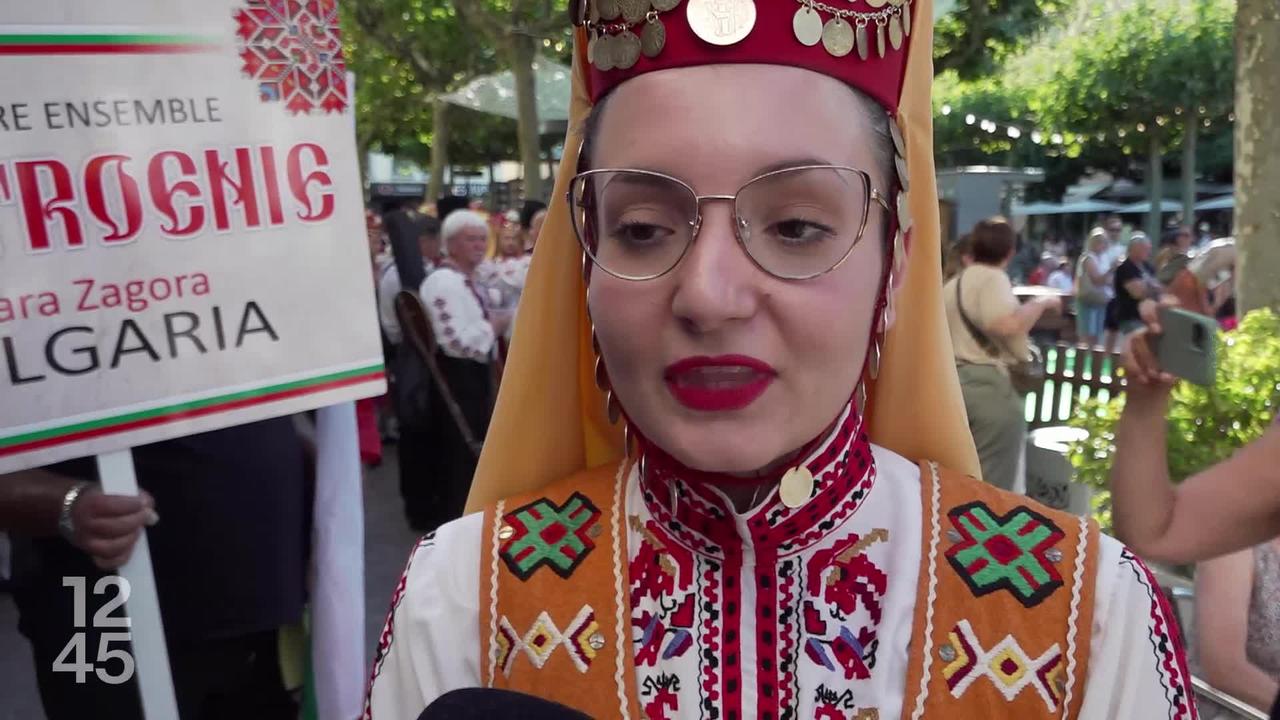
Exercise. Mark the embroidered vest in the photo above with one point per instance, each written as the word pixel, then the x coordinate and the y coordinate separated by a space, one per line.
pixel 1004 601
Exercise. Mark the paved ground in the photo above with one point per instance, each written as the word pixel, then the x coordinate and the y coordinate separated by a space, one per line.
pixel 387 543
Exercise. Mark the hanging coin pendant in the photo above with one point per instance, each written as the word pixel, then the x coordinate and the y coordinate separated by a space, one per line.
pixel 721 22
pixel 906 19
pixel 591 49
pixel 877 4
pixel 904 176
pixel 653 38
pixel 873 363
pixel 796 487
pixel 807 25
pixel 609 9
pixel 604 54
pixel 880 39
pixel 633 11
pixel 899 142
pixel 626 50
pixel 837 37
pixel 904 211
pixel 895 33
pixel 664 5
pixel 864 43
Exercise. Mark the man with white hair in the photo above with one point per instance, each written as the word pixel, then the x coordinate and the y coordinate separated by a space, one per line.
pixel 1135 281
pixel 466 331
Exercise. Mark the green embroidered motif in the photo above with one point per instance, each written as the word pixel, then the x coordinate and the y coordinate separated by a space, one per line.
pixel 1009 552
pixel 543 533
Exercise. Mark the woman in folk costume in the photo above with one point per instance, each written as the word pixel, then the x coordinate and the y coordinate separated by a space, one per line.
pixel 769 529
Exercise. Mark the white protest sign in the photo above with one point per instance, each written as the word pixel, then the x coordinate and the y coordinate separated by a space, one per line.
pixel 182 241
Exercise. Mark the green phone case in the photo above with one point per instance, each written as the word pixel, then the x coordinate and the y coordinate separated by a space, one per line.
pixel 1188 346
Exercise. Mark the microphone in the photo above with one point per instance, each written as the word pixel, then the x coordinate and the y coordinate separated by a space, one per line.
pixel 484 703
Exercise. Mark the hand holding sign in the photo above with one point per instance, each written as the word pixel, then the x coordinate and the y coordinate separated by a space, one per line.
pixel 107 527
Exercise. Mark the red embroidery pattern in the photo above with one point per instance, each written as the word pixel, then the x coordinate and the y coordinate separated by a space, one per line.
pixel 844 589
pixel 293 48
pixel 387 636
pixel 663 603
pixel 1166 643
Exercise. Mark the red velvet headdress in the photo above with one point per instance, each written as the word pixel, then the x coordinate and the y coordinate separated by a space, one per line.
pixel 863 43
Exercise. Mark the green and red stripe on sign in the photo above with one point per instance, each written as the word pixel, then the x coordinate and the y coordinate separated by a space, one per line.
pixel 104 44
pixel 62 435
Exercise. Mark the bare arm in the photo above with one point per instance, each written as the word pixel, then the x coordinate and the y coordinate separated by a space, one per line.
pixel 1020 321
pixel 1232 505
pixel 1095 273
pixel 1223 588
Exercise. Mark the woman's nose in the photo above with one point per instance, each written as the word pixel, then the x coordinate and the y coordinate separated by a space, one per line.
pixel 716 282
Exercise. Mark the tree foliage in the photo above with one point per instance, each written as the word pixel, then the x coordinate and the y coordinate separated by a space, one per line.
pixel 978 36
pixel 1094 78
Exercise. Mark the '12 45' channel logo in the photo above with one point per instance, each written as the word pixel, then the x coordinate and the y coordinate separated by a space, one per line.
pixel 73 658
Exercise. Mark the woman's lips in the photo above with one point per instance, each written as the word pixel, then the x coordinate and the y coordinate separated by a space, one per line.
pixel 718 384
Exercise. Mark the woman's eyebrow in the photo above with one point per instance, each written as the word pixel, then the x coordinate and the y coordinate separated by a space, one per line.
pixel 794 163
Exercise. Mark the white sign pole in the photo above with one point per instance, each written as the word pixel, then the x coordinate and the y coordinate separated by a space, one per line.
pixel 150 656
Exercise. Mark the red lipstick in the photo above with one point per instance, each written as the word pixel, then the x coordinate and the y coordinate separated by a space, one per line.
pixel 718 384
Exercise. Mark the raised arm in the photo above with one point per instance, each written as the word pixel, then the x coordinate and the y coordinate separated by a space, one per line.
pixel 1230 506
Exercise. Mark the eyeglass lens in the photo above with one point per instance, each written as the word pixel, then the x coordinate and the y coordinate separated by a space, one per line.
pixel 794 223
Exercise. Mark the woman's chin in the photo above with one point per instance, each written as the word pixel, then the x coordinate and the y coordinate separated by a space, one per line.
pixel 719 453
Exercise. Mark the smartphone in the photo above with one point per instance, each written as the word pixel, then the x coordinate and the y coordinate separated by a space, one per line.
pixel 1188 346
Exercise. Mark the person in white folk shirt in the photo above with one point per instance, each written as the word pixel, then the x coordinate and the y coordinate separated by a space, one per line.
pixel 427 230
pixel 466 330
pixel 502 277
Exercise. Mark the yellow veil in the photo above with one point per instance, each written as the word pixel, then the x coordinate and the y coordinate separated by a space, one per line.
pixel 550 420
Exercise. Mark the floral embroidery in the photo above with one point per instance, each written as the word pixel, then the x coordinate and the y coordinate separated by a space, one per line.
pixel 841 581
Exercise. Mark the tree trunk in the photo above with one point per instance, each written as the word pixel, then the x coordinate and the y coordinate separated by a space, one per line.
pixel 522 52
pixel 439 148
pixel 1257 165
pixel 1155 188
pixel 1189 174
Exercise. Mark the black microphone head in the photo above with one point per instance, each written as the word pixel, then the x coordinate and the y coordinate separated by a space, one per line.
pixel 477 703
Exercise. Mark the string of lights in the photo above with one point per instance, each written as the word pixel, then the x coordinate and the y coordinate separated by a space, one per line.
pixel 1039 136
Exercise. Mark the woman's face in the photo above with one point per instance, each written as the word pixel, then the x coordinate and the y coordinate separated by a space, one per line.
pixel 806 339
pixel 509 242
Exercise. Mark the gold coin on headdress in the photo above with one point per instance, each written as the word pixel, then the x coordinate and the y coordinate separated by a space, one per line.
pixel 626 50
pixel 880 39
pixel 906 19
pixel 903 178
pixel 591 49
pixel 904 210
pixel 633 11
pixel 606 59
pixel 864 43
pixel 807 25
pixel 899 142
pixel 837 37
pixel 896 3
pixel 877 4
pixel 609 9
pixel 895 33
pixel 653 38
pixel 664 5
pixel 721 22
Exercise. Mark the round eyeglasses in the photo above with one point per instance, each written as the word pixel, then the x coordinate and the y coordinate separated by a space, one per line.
pixel 795 224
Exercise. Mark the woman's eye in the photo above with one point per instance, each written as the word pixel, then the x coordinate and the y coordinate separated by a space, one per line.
pixel 640 234
pixel 801 232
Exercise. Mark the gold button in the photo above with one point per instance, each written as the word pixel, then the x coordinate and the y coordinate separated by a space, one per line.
pixel 594 531
pixel 506 532
pixel 796 487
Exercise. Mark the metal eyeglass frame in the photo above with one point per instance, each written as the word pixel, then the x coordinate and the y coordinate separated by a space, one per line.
pixel 873 194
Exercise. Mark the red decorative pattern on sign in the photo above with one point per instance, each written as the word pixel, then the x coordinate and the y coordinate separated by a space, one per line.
pixel 293 48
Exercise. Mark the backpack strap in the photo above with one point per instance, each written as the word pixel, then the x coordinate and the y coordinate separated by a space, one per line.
pixel 1004 604
pixel 554 614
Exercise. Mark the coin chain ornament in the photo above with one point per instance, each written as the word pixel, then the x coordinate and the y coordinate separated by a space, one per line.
pixel 620 31
pixel 848 30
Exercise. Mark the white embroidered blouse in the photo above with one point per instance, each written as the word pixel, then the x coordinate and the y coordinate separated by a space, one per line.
pixel 458 319
pixel 775 611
